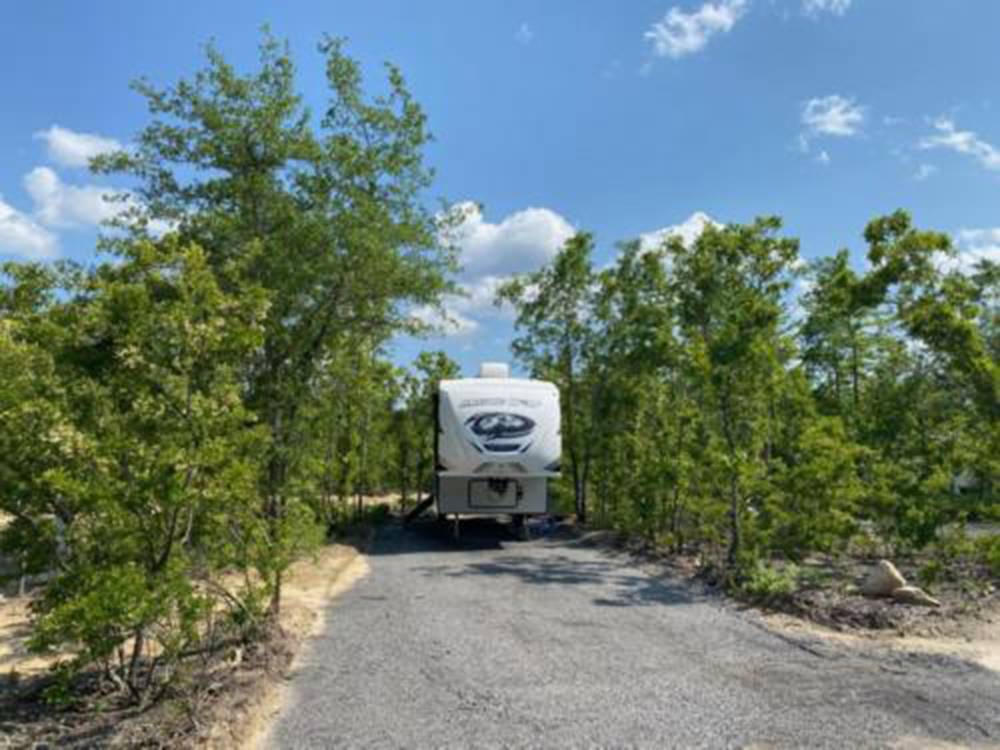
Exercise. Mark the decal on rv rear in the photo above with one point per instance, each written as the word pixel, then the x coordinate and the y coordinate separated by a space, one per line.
pixel 498 425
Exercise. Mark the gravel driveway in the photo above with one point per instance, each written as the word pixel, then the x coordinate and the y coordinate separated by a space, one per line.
pixel 492 642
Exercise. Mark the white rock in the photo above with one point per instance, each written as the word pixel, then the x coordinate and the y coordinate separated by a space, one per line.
pixel 882 580
pixel 913 595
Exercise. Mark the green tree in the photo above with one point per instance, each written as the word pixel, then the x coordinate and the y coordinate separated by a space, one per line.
pixel 942 423
pixel 327 221
pixel 836 336
pixel 556 339
pixel 129 456
pixel 431 368
pixel 730 283
pixel 405 427
pixel 640 402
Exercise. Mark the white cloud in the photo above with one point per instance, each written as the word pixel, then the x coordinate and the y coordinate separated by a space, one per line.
pixel 797 292
pixel 460 311
pixel 832 115
pixel 688 230
pixel 974 245
pixel 924 171
pixel 823 158
pixel 62 205
pixel 680 33
pixel 971 246
pixel 479 294
pixel 962 142
pixel 449 322
pixel 22 236
pixel 490 254
pixel 979 237
pixel 524 34
pixel 71 149
pixel 523 241
pixel 814 8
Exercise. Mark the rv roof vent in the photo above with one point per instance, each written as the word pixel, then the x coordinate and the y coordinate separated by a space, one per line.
pixel 494 370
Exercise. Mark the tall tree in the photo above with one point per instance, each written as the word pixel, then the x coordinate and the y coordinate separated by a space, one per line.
pixel 327 220
pixel 836 335
pixel 729 285
pixel 556 339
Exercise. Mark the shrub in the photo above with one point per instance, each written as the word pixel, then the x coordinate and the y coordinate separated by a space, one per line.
pixel 988 552
pixel 769 583
pixel 930 573
pixel 127 460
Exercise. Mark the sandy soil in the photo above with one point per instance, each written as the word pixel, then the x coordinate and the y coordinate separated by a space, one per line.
pixel 244 720
pixel 977 642
pixel 14 631
pixel 252 696
pixel 309 585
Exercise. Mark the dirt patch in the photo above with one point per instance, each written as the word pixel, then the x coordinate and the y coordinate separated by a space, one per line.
pixel 971 641
pixel 225 701
pixel 828 590
pixel 926 743
pixel 828 604
pixel 16 661
pixel 829 595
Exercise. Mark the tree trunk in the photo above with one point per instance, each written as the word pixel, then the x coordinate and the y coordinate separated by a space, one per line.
pixel 855 374
pixel 732 557
pixel 675 521
pixel 275 503
pixel 578 501
pixel 603 500
pixel 275 608
pixel 735 540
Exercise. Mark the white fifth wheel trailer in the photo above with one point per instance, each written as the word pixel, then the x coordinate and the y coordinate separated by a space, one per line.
pixel 497 444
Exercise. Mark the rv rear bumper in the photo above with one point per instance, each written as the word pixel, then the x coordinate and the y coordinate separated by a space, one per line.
pixel 491 495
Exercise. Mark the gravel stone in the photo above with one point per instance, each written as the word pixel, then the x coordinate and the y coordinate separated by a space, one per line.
pixel 494 642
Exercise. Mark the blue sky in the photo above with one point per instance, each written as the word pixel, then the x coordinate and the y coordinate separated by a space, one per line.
pixel 619 118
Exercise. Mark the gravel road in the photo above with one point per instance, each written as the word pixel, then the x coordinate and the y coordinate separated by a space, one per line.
pixel 492 642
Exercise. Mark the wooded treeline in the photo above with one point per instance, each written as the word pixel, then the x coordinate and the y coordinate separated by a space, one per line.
pixel 182 420
pixel 726 397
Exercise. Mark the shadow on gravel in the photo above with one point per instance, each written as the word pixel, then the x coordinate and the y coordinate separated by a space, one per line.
pixel 619 584
pixel 620 587
pixel 433 536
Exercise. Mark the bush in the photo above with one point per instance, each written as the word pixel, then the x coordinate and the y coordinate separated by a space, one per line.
pixel 129 461
pixel 988 552
pixel 930 574
pixel 769 583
